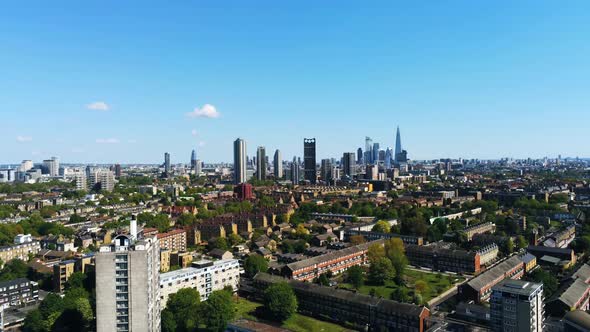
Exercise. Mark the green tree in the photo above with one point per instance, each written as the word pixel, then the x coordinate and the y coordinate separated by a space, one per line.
pixel 218 243
pixel 521 242
pixel 400 294
pixel 76 280
pixel 354 275
pixel 218 310
pixel 375 252
pixel 323 280
pixel 14 269
pixel 52 303
pixel 34 322
pixel 254 264
pixel 168 321
pixel 381 226
pixel 185 305
pixel 550 282
pixel 396 252
pixel 280 301
pixel 381 271
pixel 421 286
pixel 235 239
pixel 507 246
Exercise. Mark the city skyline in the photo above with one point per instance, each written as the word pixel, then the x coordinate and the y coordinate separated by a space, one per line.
pixel 159 83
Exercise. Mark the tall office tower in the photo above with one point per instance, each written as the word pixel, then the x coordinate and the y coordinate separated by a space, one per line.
pixel 239 161
pixel 103 178
pixel 388 158
pixel 194 160
pixel 117 170
pixel 517 305
pixel 261 163
pixel 326 170
pixel 278 165
pixel 359 156
pixel 375 156
pixel 309 161
pixel 295 171
pixel 166 163
pixel 348 166
pixel 25 165
pixel 398 144
pixel 198 167
pixel 368 150
pixel 51 166
pixel 127 285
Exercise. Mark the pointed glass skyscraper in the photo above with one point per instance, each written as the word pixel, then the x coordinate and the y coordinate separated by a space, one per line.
pixel 398 143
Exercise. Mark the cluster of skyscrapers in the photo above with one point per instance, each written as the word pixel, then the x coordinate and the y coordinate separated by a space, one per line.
pixel 329 169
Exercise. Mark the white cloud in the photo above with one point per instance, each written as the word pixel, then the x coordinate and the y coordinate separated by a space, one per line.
pixel 207 111
pixel 22 139
pixel 107 141
pixel 98 106
pixel 194 132
pixel 202 143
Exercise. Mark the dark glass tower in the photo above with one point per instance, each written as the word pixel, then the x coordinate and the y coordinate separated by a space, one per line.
pixel 309 161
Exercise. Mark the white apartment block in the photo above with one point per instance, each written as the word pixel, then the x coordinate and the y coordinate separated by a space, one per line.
pixel 205 276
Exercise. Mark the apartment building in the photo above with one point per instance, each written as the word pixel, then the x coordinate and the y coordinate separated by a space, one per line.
pixel 485 227
pixel 488 254
pixel 517 306
pixel 479 288
pixel 61 274
pixel 174 240
pixel 374 313
pixel 18 292
pixel 372 236
pixel 205 276
pixel 440 258
pixel 19 251
pixel 336 262
pixel 127 285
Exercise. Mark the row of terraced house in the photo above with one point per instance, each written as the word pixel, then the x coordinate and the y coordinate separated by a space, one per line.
pixel 336 262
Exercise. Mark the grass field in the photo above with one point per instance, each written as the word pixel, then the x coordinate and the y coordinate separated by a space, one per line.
pixel 297 323
pixel 437 284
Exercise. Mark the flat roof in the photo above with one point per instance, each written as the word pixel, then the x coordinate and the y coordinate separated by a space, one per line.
pixel 519 287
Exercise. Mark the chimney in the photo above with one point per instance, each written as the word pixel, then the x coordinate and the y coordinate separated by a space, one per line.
pixel 133 227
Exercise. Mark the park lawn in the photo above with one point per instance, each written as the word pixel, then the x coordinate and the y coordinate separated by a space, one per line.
pixel 437 284
pixel 300 323
pixel 297 323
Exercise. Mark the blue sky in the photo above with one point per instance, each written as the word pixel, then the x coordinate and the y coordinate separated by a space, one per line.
pixel 114 82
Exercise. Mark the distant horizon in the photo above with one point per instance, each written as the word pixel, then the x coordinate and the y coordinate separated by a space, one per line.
pixel 173 163
pixel 88 83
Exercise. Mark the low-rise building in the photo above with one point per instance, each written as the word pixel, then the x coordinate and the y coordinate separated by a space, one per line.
pixel 530 262
pixel 19 251
pixel 18 292
pixel 376 313
pixel 61 274
pixel 174 240
pixel 488 254
pixel 485 227
pixel 205 276
pixel 443 259
pixel 479 288
pixel 335 261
